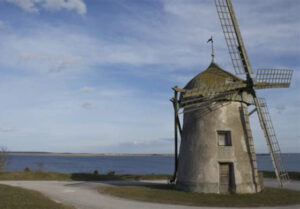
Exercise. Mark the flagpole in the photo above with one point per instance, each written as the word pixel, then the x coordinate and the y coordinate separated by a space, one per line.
pixel 212 48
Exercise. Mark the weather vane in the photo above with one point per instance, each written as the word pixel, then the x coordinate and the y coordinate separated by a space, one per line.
pixel 212 48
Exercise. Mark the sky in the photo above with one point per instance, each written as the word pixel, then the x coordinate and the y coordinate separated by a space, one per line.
pixel 96 75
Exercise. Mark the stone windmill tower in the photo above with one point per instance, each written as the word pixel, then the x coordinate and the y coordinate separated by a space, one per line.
pixel 217 152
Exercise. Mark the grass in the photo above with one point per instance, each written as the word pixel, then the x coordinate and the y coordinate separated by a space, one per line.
pixel 18 198
pixel 34 175
pixel 167 194
pixel 39 175
pixel 13 197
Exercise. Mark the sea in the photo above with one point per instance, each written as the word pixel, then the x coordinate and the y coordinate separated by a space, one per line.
pixel 121 164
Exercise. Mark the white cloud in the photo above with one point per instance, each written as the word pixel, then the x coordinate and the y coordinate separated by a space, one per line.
pixel 55 5
pixel 105 92
pixel 86 89
pixel 88 105
pixel 27 5
pixel 51 5
pixel 50 116
pixel 188 9
pixel 7 129
pixel 52 62
pixel 2 24
pixel 178 42
pixel 116 92
pixel 280 108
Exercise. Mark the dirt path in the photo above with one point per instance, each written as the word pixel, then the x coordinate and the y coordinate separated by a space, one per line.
pixel 83 195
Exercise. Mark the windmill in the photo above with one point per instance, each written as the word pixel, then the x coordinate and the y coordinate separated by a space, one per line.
pixel 216 136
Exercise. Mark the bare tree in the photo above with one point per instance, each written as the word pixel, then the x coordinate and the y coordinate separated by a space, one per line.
pixel 3 158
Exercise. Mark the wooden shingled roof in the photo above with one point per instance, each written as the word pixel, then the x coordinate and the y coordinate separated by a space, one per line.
pixel 213 75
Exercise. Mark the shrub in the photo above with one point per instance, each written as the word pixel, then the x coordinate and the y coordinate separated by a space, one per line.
pixel 96 172
pixel 27 169
pixel 40 166
pixel 111 173
pixel 3 158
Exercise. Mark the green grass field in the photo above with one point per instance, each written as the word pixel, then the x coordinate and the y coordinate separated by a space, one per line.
pixel 18 198
pixel 38 175
pixel 34 175
pixel 167 194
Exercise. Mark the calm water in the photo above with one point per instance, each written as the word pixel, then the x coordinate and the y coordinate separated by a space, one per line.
pixel 122 164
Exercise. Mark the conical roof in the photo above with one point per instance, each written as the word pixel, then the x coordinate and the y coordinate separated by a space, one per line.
pixel 213 75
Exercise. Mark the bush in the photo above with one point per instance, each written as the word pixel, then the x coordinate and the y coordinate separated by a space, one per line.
pixel 40 166
pixel 111 173
pixel 3 158
pixel 27 169
pixel 96 172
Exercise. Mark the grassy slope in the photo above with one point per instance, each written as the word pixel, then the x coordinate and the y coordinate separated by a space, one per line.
pixel 167 194
pixel 18 198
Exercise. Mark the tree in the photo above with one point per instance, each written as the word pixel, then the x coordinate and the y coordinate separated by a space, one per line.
pixel 3 158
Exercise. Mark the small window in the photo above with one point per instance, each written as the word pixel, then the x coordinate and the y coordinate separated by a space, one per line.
pixel 224 138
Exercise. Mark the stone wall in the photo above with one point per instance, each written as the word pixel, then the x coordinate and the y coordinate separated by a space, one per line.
pixel 200 154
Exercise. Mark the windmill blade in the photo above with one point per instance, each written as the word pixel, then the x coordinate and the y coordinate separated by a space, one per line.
pixel 272 142
pixel 233 37
pixel 273 78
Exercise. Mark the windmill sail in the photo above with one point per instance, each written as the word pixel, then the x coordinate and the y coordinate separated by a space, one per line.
pixel 264 79
pixel 233 37
pixel 273 78
pixel 272 142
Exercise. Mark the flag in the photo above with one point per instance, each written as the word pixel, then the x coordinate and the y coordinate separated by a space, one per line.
pixel 210 40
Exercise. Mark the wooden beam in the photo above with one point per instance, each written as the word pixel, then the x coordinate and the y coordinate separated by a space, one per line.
pixel 179 89
pixel 179 126
pixel 174 100
pixel 253 111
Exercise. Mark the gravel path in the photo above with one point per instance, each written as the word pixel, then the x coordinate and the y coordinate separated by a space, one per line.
pixel 83 195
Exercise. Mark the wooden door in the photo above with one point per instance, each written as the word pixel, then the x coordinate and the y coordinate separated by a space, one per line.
pixel 225 178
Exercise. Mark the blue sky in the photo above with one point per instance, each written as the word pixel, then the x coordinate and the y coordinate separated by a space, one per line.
pixel 96 76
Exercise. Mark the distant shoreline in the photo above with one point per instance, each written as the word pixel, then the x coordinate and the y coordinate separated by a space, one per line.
pixel 99 154
pixel 84 154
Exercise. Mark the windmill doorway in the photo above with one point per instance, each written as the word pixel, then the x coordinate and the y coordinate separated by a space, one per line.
pixel 226 181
